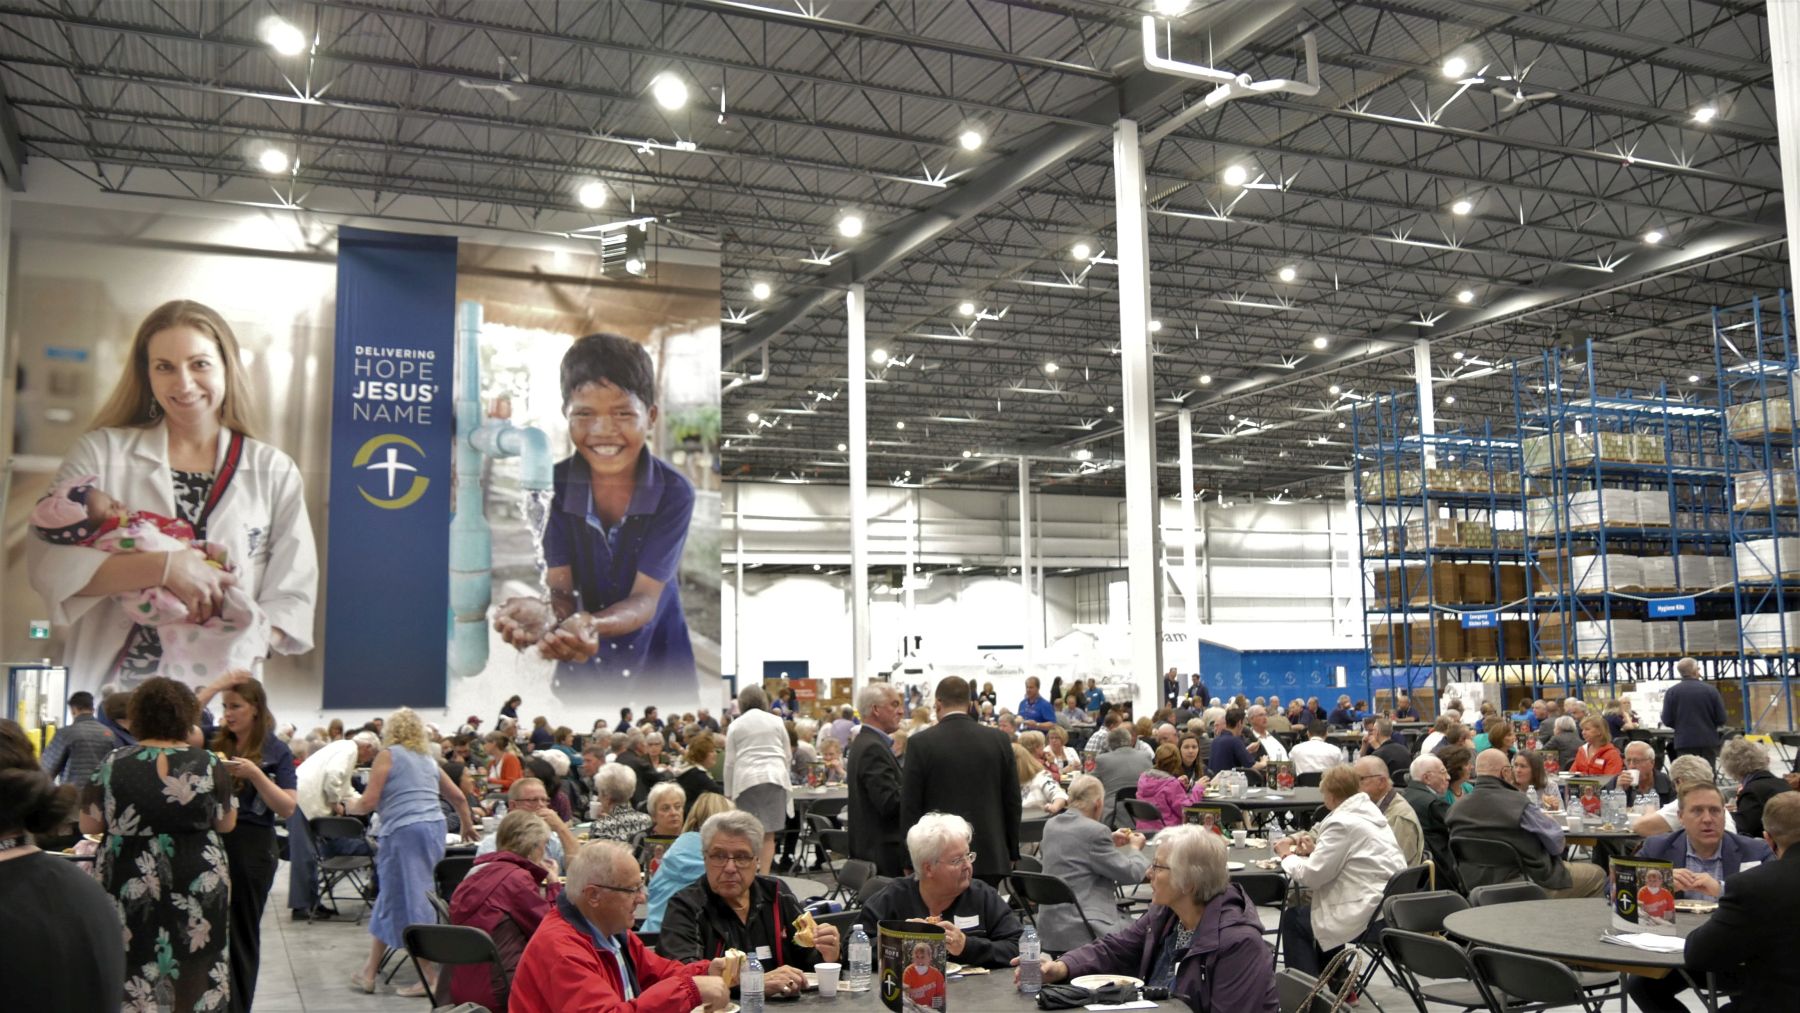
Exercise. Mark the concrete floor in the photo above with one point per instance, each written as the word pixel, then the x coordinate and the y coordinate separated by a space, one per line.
pixel 307 967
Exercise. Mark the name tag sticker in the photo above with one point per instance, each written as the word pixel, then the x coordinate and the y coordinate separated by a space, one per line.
pixel 1747 866
pixel 968 921
pixel 763 953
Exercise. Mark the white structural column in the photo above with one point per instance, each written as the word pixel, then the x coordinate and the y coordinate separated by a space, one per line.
pixel 1143 534
pixel 858 372
pixel 1028 612
pixel 1190 571
pixel 1427 399
pixel 1784 48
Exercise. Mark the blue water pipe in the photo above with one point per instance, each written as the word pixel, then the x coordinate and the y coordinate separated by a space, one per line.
pixel 471 540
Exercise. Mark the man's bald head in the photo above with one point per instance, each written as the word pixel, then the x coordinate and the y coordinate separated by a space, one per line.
pixel 1491 763
pixel 1367 769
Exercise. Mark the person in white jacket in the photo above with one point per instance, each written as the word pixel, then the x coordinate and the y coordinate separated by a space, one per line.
pixel 1346 866
pixel 757 757
pixel 323 786
pixel 163 442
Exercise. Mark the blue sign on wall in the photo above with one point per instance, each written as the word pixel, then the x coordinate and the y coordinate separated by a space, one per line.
pixel 1669 608
pixel 1480 620
pixel 392 431
pixel 1285 674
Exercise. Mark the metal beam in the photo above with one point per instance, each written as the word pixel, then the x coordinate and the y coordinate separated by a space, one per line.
pixel 12 150
pixel 1140 92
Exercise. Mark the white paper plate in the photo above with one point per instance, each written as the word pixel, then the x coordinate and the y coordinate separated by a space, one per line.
pixel 1234 867
pixel 733 1008
pixel 952 967
pixel 1103 980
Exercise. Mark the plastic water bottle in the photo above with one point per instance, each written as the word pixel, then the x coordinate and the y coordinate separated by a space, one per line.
pixel 1532 794
pixel 856 970
pixel 500 809
pixel 1030 972
pixel 750 986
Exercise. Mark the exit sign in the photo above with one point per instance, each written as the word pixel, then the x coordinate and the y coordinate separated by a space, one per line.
pixel 40 629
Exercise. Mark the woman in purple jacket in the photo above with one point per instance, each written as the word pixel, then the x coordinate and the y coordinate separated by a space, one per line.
pixel 1161 785
pixel 1201 939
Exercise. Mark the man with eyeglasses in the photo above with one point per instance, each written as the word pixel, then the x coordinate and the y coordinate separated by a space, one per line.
pixel 1372 777
pixel 732 908
pixel 584 958
pixel 980 928
pixel 527 794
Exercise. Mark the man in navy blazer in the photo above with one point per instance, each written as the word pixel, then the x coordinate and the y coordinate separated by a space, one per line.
pixel 1754 927
pixel 1705 858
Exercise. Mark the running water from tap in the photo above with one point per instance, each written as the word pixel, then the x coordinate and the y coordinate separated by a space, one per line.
pixel 537 517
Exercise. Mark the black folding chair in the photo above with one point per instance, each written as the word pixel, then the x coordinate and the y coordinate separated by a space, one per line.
pixel 450 871
pixel 1422 912
pixel 1270 890
pixel 845 921
pixel 816 827
pixel 1410 880
pixel 1028 863
pixel 1112 818
pixel 1507 893
pixel 873 886
pixel 851 876
pixel 449 946
pixel 1434 969
pixel 1310 779
pixel 1539 981
pixel 1291 989
pixel 1136 810
pixel 1036 889
pixel 357 870
pixel 1484 860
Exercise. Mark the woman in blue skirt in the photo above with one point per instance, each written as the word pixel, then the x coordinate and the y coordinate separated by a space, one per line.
pixel 404 786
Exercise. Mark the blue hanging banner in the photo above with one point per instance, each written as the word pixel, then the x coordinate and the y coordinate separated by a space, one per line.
pixel 387 590
pixel 1670 608
pixel 1480 620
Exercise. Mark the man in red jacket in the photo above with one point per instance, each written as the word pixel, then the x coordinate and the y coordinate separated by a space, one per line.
pixel 584 958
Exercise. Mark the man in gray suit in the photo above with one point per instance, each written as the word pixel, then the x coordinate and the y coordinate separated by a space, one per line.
pixel 1080 851
pixel 1120 765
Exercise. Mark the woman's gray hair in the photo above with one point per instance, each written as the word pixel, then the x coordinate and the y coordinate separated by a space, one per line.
pixel 752 698
pixel 1687 768
pixel 1196 861
pixel 1741 758
pixel 521 833
pixel 616 783
pixel 929 838
pixel 731 823
pixel 1563 724
pixel 662 790
pixel 1084 790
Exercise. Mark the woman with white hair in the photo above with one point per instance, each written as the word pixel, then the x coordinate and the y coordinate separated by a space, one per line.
pixel 732 908
pixel 1747 763
pixel 614 818
pixel 980 928
pixel 1689 769
pixel 404 785
pixel 757 755
pixel 1346 862
pixel 1564 742
pixel 1201 939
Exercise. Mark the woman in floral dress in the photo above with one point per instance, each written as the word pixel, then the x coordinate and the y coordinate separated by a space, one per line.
pixel 162 804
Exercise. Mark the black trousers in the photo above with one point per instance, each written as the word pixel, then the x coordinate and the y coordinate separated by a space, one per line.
pixel 251 851
pixel 1708 753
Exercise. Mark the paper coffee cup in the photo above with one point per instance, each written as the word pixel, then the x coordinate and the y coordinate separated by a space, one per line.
pixel 828 978
pixel 1239 838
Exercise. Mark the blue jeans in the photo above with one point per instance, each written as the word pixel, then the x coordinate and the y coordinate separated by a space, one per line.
pixel 303 863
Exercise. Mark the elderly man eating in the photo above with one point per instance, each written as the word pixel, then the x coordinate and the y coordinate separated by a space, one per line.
pixel 1640 777
pixel 1201 939
pixel 527 794
pixel 1495 809
pixel 732 908
pixel 1080 851
pixel 584 958
pixel 980 929
pixel 1372 779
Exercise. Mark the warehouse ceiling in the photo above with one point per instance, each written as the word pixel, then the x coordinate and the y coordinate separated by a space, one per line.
pixel 1586 169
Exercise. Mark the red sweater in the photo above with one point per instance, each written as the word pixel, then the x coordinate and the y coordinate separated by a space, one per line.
pixel 562 971
pixel 502 896
pixel 1602 762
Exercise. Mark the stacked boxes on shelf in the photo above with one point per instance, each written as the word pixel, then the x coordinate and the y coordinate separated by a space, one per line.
pixel 1759 490
pixel 1752 420
pixel 1387 483
pixel 1771 632
pixel 1760 560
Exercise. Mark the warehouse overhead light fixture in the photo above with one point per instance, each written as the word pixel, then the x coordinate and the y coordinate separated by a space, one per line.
pixel 1050 367
pixel 1287 274
pixel 1155 325
pixel 1084 454
pixel 760 291
pixel 1706 114
pixel 592 194
pixel 967 309
pixel 1693 377
pixel 273 161
pixel 1455 67
pixel 970 139
pixel 879 356
pixel 842 447
pixel 1335 389
pixel 1340 425
pixel 1205 379
pixel 753 418
pixel 1654 236
pixel 669 90
pixel 282 36
pixel 1449 398
pixel 900 425
pixel 1236 175
pixel 1321 342
pixel 968 454
pixel 850 224
pixel 1171 8
pixel 1081 251
pixel 1462 207
pixel 1466 296
pixel 1110 409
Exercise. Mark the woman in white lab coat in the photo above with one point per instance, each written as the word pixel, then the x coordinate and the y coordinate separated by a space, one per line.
pixel 161 443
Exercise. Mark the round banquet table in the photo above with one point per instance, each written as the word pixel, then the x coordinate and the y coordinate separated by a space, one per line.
pixel 805 797
pixel 1263 800
pixel 1570 931
pixel 991 991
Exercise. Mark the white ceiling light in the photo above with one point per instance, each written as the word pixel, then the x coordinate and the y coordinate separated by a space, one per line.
pixel 283 37
pixel 967 309
pixel 1084 454
pixel 1340 425
pixel 1455 67
pixel 1081 251
pixel 592 194
pixel 634 265
pixel 843 447
pixel 1320 342
pixel 1335 389
pixel 1705 114
pixel 1450 399
pixel 1287 274
pixel 968 453
pixel 1462 207
pixel 1457 356
pixel 669 90
pixel 879 356
pixel 753 418
pixel 1466 296
pixel 273 161
pixel 1693 377
pixel 1110 409
pixel 1205 379
pixel 1171 8
pixel 850 225
pixel 970 139
pixel 1654 236
pixel 759 291
pixel 1155 325
pixel 900 425
pixel 1236 175
pixel 1050 367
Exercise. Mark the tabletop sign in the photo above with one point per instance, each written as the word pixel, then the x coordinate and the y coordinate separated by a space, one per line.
pixel 1480 620
pixel 1669 608
pixel 40 629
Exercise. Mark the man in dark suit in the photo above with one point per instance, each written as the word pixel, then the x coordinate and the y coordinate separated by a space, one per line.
pixel 1379 741
pixel 1755 924
pixel 1695 710
pixel 876 833
pixel 958 766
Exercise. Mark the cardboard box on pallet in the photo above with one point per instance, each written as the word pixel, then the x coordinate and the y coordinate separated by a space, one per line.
pixel 1481 645
pixel 1752 419
pixel 1760 559
pixel 1447 634
pixel 1440 587
pixel 1751 490
pixel 1515 638
pixel 1387 643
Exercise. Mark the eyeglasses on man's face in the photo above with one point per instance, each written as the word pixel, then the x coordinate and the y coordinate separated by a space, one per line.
pixel 718 858
pixel 634 890
pixel 532 803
